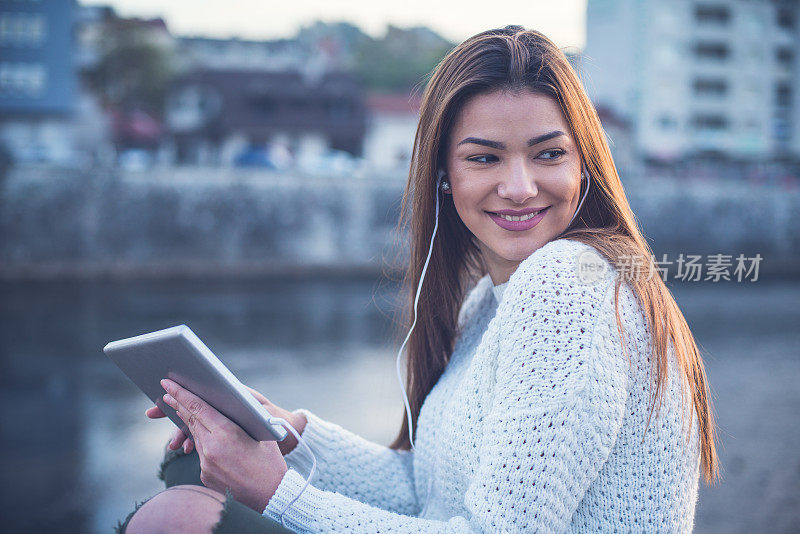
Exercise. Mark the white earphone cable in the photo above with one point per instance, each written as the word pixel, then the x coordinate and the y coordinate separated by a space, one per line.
pixel 588 181
pixel 301 441
pixel 413 324
pixel 290 428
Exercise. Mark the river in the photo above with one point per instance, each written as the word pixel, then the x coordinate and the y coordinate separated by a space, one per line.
pixel 77 451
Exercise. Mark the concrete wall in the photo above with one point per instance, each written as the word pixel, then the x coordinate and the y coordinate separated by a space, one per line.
pixel 190 221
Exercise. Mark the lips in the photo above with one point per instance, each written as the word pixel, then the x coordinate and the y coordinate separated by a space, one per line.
pixel 518 226
pixel 518 213
pixel 511 215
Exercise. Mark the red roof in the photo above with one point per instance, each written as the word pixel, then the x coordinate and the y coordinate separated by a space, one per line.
pixel 394 103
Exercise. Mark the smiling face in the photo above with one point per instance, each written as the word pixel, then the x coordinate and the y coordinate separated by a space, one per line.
pixel 512 152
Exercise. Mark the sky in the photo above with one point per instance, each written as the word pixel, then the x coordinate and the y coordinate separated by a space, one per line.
pixel 563 21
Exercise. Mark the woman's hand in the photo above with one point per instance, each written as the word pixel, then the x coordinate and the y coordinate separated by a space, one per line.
pixel 229 457
pixel 298 421
pixel 179 439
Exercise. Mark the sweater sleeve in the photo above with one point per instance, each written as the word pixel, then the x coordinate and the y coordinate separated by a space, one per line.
pixel 559 402
pixel 348 464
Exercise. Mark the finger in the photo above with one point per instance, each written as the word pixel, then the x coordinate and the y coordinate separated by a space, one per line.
pixel 154 413
pixel 200 417
pixel 187 444
pixel 178 438
pixel 259 397
pixel 188 416
pixel 196 410
pixel 195 427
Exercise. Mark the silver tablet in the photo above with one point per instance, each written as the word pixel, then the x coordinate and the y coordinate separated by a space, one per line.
pixel 178 354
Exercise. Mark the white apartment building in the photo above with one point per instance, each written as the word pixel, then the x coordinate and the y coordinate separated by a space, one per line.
pixel 698 77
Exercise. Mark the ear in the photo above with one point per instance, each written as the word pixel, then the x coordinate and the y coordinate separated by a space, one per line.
pixel 444 185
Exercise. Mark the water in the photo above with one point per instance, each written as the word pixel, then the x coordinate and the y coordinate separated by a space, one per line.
pixel 78 452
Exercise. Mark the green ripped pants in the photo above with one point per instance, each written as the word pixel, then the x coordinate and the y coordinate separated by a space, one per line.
pixel 179 468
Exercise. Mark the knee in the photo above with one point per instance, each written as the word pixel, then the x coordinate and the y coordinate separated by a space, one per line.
pixel 178 509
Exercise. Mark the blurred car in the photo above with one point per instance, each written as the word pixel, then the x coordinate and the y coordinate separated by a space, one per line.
pixel 335 163
pixel 254 157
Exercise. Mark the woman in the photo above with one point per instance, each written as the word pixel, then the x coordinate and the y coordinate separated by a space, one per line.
pixel 553 394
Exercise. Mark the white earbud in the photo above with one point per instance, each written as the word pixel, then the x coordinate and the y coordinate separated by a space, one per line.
pixel 586 192
pixel 444 186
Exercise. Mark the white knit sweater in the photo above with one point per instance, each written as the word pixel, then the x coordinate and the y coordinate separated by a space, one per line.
pixel 536 425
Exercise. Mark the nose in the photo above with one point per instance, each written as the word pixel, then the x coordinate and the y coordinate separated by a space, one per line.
pixel 518 184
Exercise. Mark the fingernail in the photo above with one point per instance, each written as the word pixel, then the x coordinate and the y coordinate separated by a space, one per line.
pixel 168 399
pixel 164 383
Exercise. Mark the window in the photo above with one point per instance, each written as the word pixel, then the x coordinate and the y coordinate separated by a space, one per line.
pixel 783 95
pixel 712 14
pixel 785 57
pixel 714 51
pixel 709 122
pixel 710 87
pixel 785 18
pixel 35 30
pixel 22 29
pixel 22 79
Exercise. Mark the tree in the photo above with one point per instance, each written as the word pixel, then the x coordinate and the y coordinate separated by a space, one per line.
pixel 135 67
pixel 401 59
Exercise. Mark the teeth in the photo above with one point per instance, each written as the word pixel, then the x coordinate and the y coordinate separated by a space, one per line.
pixel 516 218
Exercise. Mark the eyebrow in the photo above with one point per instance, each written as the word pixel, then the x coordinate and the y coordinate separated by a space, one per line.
pixel 502 146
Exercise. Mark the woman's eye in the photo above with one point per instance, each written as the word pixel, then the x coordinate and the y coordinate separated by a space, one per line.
pixel 477 159
pixel 552 154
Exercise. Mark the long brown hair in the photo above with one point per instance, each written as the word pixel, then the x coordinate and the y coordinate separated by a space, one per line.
pixel 513 58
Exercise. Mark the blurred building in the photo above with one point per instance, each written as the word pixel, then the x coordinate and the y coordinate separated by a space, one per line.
pixel 239 54
pixel 221 116
pixel 46 116
pixel 316 49
pixel 620 142
pixel 38 85
pixel 391 127
pixel 90 23
pixel 698 77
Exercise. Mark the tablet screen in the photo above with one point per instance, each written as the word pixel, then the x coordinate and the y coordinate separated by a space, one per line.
pixel 178 354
